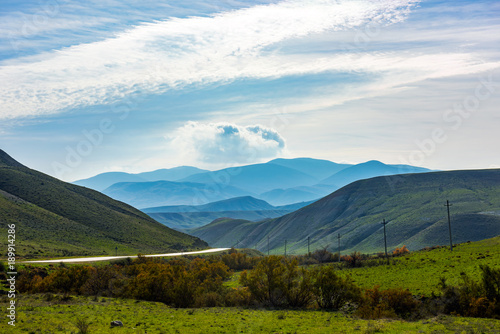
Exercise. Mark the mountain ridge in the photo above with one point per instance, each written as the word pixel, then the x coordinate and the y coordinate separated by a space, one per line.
pixel 412 203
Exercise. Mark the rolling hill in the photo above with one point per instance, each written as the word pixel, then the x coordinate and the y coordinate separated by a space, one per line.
pixel 412 203
pixel 55 218
pixel 162 193
pixel 105 180
pixel 186 217
pixel 244 203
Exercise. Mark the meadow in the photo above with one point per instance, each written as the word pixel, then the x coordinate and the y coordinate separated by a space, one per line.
pixel 53 307
pixel 48 313
pixel 420 272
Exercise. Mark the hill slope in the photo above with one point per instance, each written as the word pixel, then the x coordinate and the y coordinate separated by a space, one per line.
pixel 57 218
pixel 105 180
pixel 162 193
pixel 412 203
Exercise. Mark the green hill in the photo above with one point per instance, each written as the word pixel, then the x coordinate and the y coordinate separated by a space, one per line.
pixel 412 203
pixel 57 218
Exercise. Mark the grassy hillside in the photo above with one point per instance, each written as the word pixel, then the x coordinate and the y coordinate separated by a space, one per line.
pixel 57 218
pixel 412 203
pixel 421 271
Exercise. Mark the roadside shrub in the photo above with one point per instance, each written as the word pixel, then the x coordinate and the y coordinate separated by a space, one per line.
pixel 324 256
pixel 209 299
pixel 331 291
pixel 391 303
pixel 238 297
pixel 265 281
pixel 400 251
pixel 353 260
pixel 277 281
pixel 239 261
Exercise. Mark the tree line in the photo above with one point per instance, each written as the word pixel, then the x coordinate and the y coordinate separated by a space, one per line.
pixel 271 281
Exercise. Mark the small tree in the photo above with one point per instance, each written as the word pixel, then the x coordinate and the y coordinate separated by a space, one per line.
pixel 332 291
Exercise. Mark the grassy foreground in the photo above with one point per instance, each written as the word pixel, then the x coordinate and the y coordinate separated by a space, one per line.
pixel 420 271
pixel 50 314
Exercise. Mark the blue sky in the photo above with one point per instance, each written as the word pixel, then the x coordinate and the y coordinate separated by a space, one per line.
pixel 96 86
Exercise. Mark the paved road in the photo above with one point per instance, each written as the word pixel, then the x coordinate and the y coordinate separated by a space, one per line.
pixel 108 258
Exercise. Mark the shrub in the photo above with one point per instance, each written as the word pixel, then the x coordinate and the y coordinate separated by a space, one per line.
pixel 324 256
pixel 277 281
pixel 400 251
pixel 353 260
pixel 473 299
pixel 82 325
pixel 332 291
pixel 391 303
pixel 239 261
pixel 238 297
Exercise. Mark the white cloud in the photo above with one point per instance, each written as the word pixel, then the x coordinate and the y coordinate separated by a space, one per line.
pixel 170 54
pixel 225 143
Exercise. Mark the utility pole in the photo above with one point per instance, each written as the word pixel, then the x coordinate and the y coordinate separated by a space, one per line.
pixel 267 245
pixel 385 239
pixel 339 246
pixel 285 247
pixel 308 249
pixel 449 223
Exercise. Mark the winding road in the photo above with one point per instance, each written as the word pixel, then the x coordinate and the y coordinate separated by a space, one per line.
pixel 108 258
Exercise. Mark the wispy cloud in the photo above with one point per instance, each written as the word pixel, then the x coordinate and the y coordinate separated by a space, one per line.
pixel 154 57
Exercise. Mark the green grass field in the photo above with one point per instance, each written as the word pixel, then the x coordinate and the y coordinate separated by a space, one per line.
pixel 420 272
pixel 39 314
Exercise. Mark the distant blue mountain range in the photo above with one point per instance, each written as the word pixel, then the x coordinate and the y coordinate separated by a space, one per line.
pixel 278 182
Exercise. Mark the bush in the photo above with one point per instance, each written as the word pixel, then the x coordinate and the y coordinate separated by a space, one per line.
pixel 239 261
pixel 238 297
pixel 332 291
pixel 324 256
pixel 353 260
pixel 277 281
pixel 391 303
pixel 473 299
pixel 400 251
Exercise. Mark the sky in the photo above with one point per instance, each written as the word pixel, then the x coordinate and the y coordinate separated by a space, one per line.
pixel 98 86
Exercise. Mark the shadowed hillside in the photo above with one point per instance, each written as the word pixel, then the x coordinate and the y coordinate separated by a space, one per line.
pixel 412 203
pixel 57 218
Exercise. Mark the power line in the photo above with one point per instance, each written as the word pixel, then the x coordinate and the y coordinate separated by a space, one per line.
pixel 339 246
pixel 449 223
pixel 385 239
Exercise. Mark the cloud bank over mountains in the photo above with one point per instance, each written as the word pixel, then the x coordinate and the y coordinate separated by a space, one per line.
pixel 226 143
